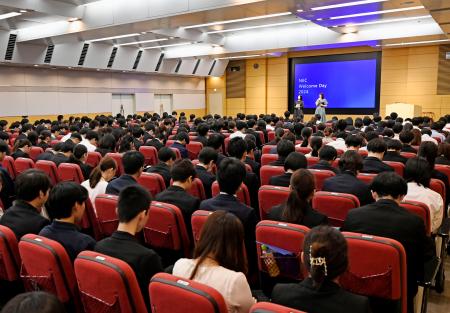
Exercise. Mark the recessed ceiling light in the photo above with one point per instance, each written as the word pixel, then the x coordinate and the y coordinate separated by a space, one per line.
pixel 23 11
pixel 70 67
pixel 36 65
pixel 240 57
pixel 73 19
pixel 377 12
pixel 167 46
pixel 113 37
pixel 238 20
pixel 144 41
pixel 347 4
pixel 98 69
pixel 255 27
pixel 8 15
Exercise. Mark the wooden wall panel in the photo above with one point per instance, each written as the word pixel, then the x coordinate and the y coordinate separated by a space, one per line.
pixel 236 79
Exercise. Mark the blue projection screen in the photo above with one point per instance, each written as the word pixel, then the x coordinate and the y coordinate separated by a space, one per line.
pixel 350 82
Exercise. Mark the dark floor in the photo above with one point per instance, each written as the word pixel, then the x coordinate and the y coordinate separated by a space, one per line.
pixel 440 303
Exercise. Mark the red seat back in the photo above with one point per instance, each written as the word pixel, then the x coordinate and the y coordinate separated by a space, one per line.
pixel 177 153
pixel 106 208
pixel 304 150
pixel 54 142
pixel 50 169
pixel 70 172
pixel 268 171
pixel 334 205
pixel 190 296
pixel 377 268
pixel 35 151
pixel 312 161
pixel 169 142
pixel 420 209
pixel 320 176
pixel 269 196
pixel 107 284
pixel 366 177
pixel 261 136
pixel 197 189
pixel 226 142
pixel 118 158
pixel 444 169
pixel 91 216
pixel 267 148
pixel 363 153
pixel 23 164
pixel 150 154
pixel 93 158
pixel 438 186
pixel 153 182
pixel 194 148
pixel 8 164
pixel 271 135
pixel 242 194
pixel 268 158
pixel 46 266
pixel 165 228
pixel 408 155
pixel 267 307
pixel 398 167
pixel 198 219
pixel 9 255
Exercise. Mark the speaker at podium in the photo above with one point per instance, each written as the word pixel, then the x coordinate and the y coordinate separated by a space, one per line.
pixel 405 110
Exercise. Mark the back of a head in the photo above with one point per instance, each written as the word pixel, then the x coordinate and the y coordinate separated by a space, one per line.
pixel 36 301
pixel 351 161
pixel 63 197
pixel 183 136
pixel 67 146
pixel 418 170
pixel 325 254
pixel 406 136
pixel 237 147
pixel 215 141
pixel 306 132
pixel 132 201
pixel 394 144
pixel 4 148
pixel 165 154
pixel 30 183
pixel 295 161
pixel 389 184
pixel 202 129
pixel 377 145
pixel 429 151
pixel 302 185
pixel 353 141
pixel 285 147
pixel 79 151
pixel 327 153
pixel 132 161
pixel 207 155
pixel 230 175
pixel 241 125
pixel 316 144
pixel 182 169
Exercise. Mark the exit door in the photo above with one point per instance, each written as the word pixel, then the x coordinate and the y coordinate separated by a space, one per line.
pixel 163 103
pixel 123 104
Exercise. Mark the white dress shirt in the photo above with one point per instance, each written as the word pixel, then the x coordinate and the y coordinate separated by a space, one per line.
pixel 97 190
pixel 237 134
pixel 339 143
pixel 90 147
pixel 426 137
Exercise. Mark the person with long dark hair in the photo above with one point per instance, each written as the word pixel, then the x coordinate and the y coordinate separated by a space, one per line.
pixel 219 261
pixel 99 178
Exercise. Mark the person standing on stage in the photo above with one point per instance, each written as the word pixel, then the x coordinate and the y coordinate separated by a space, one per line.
pixel 321 104
pixel 299 105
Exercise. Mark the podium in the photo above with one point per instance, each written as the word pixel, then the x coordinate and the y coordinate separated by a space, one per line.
pixel 404 110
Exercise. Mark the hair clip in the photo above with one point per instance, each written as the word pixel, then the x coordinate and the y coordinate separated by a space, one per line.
pixel 319 261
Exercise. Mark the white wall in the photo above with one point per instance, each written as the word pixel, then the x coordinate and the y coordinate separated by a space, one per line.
pixel 35 91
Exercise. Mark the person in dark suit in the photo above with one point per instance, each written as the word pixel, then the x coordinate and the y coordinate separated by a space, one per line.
pixel 207 160
pixel 7 192
pixel 183 173
pixel 132 209
pixel 32 189
pixel 157 141
pixel 293 162
pixel 133 164
pixel 202 130
pixel 393 152
pixel 251 125
pixel 327 155
pixel 166 157
pixel 22 148
pixel 230 176
pixel 65 207
pixel 252 155
pixel 373 162
pixel 63 156
pixel 297 209
pixel 406 137
pixel 350 164
pixel 325 258
pixel 353 142
pixel 284 148
pixel 443 154
pixel 386 218
pixel 216 141
pixel 79 157
pixel 182 139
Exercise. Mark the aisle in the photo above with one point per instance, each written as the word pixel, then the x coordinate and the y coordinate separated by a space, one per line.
pixel 440 303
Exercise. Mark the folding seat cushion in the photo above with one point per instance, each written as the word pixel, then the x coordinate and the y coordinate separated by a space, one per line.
pixel 153 182
pixel 267 307
pixel 194 149
pixel 93 158
pixel 270 196
pixel 242 194
pixel 172 294
pixel 420 209
pixel 8 164
pixel 50 169
pixel 107 284
pixel 320 176
pixel 23 164
pixel 198 219
pixel 150 154
pixel 70 172
pixel 335 205
pixel 268 158
pixel 106 209
pixel 268 171
pixel 398 167
pixel 9 255
pixel 35 151
pixel 118 158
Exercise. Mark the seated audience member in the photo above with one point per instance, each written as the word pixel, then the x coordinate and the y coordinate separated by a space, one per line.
pixel 183 173
pixel 133 164
pixel 293 162
pixel 306 135
pixel 417 137
pixel 219 262
pixel 49 154
pixel 90 141
pixel 63 156
pixel 216 142
pixel 157 140
pixel 327 155
pixel 350 164
pixel 32 188
pixel 386 218
pixel 353 142
pixel 106 144
pixel 65 207
pixel 373 162
pixel 22 148
pixel 75 138
pixel 253 158
pixel 207 160
pixel 339 143
pixel 7 192
pixel 315 144
pixel 35 301
pixel 443 154
pixel 418 176
pixel 45 138
pixel 182 139
pixel 166 157
pixel 297 209
pixel 426 136
pixel 202 131
pixel 127 144
pixel 279 133
pixel 393 152
pixel 79 157
pixel 240 130
pixel 132 210
pixel 325 258
pixel 328 136
pixel 407 137
pixel 284 148
pixel 99 178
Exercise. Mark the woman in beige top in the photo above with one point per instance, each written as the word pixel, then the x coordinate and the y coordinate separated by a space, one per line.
pixel 219 261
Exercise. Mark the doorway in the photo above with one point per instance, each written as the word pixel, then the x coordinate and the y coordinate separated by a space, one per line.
pixel 215 103
pixel 163 103
pixel 123 104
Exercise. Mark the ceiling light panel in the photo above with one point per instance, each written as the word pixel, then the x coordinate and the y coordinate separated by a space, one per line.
pixel 114 37
pixel 347 4
pixel 9 15
pixel 238 20
pixel 413 43
pixel 394 20
pixel 240 57
pixel 171 45
pixel 143 42
pixel 377 12
pixel 255 27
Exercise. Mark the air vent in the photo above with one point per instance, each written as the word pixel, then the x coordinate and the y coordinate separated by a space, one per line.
pixel 196 67
pixel 212 67
pixel 177 68
pixel 49 54
pixel 138 58
pixel 10 47
pixel 158 65
pixel 112 57
pixel 83 54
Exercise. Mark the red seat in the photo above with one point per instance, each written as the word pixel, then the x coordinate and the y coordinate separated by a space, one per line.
pixel 70 172
pixel 267 307
pixel 363 153
pixel 8 164
pixel 197 189
pixel 54 142
pixel 304 150
pixel 261 136
pixel 23 164
pixel 420 209
pixel 198 219
pixel 169 142
pixel 165 228
pixel 267 148
pixel 50 169
pixel 438 186
pixel 320 176
pixel 35 151
pixel 118 158
pixel 93 158
pixel 377 268
pixel 177 153
pixel 366 177
pixel 312 161
pixel 153 182
pixel 242 194
pixel 47 267
pixel 92 221
pixel 408 155
pixel 106 208
pixel 271 135
pixel 9 255
pixel 334 205
pixel 339 152
pixel 398 167
pixel 194 148
pixel 107 284
pixel 444 169
pixel 270 196
pixel 268 171
pixel 172 294
pixel 438 139
pixel 150 154
pixel 226 142
pixel 268 158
